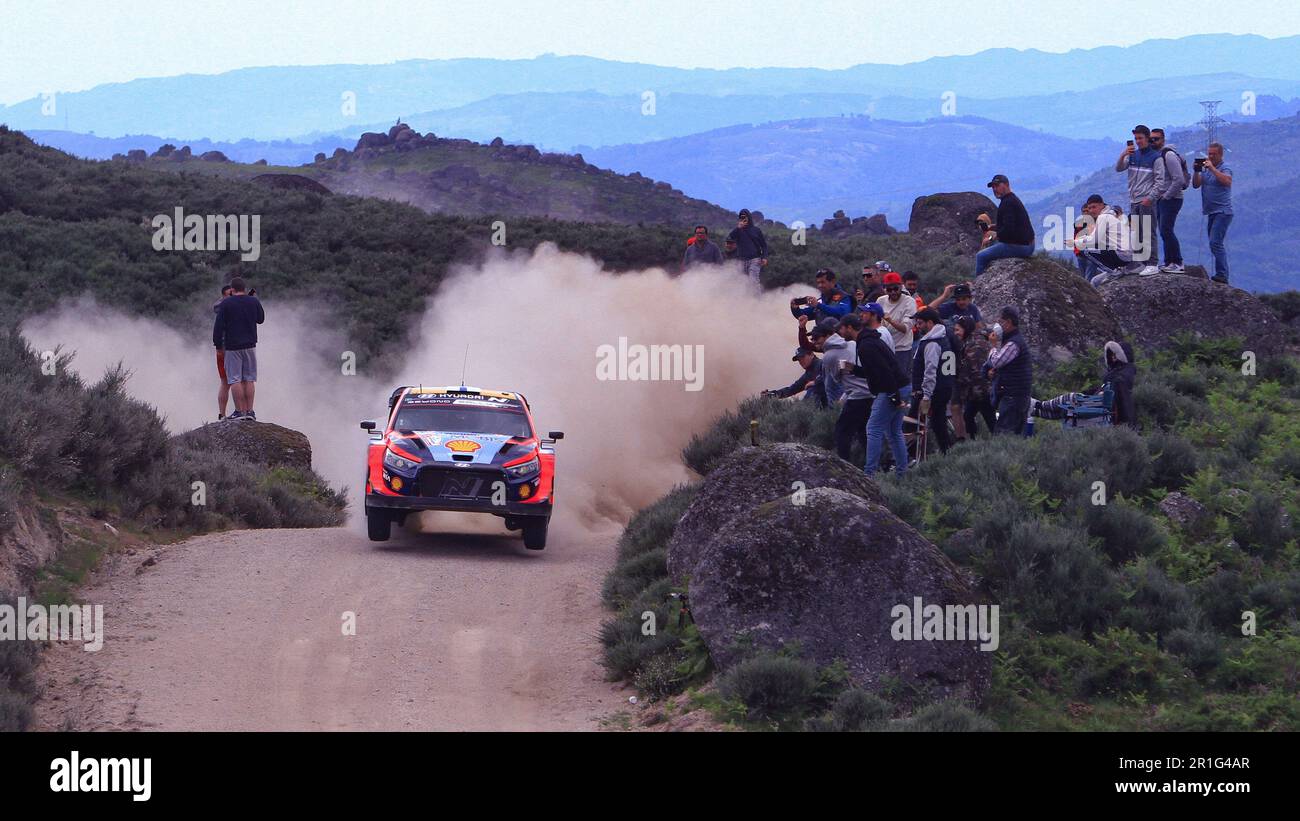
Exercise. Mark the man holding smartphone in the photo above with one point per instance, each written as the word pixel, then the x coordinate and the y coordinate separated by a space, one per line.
pixel 1139 159
pixel 1215 181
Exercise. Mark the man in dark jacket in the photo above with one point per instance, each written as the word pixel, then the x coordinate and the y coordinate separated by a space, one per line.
pixel 809 383
pixel 1012 235
pixel 751 246
pixel 1120 374
pixel 701 251
pixel 235 332
pixel 889 386
pixel 1012 371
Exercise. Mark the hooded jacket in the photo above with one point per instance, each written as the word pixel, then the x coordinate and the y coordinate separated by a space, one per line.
pixel 1120 373
pixel 877 364
pixel 1170 176
pixel 837 349
pixel 1109 233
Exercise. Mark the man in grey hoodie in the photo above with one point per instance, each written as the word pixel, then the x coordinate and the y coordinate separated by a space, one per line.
pixel 1139 160
pixel 1171 177
pixel 855 407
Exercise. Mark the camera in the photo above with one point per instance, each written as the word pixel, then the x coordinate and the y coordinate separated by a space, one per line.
pixel 1198 164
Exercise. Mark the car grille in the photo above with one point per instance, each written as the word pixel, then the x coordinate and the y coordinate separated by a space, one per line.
pixel 457 483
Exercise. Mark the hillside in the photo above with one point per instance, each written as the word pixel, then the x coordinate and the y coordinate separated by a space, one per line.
pixel 275 152
pixel 803 169
pixel 285 102
pixel 1266 180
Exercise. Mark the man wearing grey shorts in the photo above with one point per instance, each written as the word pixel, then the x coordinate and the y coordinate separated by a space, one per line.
pixel 235 332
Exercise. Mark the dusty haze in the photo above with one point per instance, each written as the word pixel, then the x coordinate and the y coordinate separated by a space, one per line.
pixel 533 324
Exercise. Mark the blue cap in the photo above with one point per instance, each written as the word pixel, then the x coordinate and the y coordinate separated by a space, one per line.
pixel 872 308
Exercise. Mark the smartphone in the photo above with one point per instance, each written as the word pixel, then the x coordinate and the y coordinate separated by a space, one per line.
pixel 1130 143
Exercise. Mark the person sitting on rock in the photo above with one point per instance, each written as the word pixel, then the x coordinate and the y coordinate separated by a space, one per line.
pixel 1012 235
pixel 833 303
pixel 1104 245
pixel 809 383
pixel 1119 373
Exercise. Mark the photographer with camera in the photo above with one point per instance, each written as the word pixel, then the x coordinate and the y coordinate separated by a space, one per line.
pixel 1215 181
pixel 1012 235
pixel 834 301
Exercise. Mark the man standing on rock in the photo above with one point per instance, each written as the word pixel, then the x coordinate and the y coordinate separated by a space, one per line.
pixel 235 332
pixel 1171 178
pixel 856 407
pixel 1139 160
pixel 1215 181
pixel 899 309
pixel 223 391
pixel 875 363
pixel 1012 371
pixel 1012 235
pixel 751 246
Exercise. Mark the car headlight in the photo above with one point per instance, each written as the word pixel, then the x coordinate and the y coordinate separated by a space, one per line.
pixel 526 469
pixel 396 462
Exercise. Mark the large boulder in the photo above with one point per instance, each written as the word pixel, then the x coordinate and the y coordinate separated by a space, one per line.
pixel 827 577
pixel 1061 315
pixel 1154 309
pixel 948 220
pixel 262 443
pixel 750 477
pixel 372 139
pixel 291 182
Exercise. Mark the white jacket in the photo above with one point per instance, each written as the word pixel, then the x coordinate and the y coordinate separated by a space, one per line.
pixel 1109 233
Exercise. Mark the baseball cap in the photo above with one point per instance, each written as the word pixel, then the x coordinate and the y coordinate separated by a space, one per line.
pixel 882 265
pixel 961 290
pixel 1095 198
pixel 872 308
pixel 892 278
pixel 998 178
pixel 800 351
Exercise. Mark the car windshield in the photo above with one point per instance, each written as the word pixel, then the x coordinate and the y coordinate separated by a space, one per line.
pixel 498 421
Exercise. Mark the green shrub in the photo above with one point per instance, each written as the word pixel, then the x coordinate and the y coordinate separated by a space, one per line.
pixel 625 657
pixel 1200 650
pixel 629 578
pixel 1156 605
pixel 652 527
pixel 778 421
pixel 1125 531
pixel 1051 577
pixel 658 677
pixel 945 717
pixel 771 687
pixel 854 711
pixel 1174 459
pixel 17 679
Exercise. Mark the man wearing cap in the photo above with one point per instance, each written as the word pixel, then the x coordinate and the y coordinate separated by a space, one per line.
pixel 899 309
pixel 833 302
pixel 1013 234
pixel 934 373
pixel 751 246
pixel 877 364
pixel 873 317
pixel 1139 160
pixel 816 340
pixel 809 383
pixel 1012 371
pixel 957 301
pixel 856 407
pixel 1103 245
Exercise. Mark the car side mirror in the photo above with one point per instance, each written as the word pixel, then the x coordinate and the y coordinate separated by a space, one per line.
pixel 556 434
pixel 368 425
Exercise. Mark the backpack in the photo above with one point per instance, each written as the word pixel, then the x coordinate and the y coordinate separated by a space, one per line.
pixel 1187 178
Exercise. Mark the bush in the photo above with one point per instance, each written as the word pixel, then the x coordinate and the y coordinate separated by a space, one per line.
pixel 778 421
pixel 1156 604
pixel 771 687
pixel 631 577
pixel 1174 459
pixel 658 677
pixel 652 527
pixel 17 680
pixel 1052 578
pixel 1124 530
pixel 945 717
pixel 854 711
pixel 1201 651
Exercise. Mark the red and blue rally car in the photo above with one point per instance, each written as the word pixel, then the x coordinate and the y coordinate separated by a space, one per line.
pixel 461 449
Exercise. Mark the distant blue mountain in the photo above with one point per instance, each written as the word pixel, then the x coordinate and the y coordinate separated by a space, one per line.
pixel 283 102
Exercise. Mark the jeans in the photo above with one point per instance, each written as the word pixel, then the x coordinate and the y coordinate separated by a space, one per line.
pixel 1000 250
pixel 1085 266
pixel 1166 217
pixel 1141 229
pixel 1217 226
pixel 886 422
pixel 752 268
pixel 1012 411
pixel 851 424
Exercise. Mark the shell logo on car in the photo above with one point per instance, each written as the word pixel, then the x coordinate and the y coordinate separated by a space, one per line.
pixel 462 446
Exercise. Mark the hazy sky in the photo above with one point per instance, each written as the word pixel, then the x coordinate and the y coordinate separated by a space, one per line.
pixel 70 45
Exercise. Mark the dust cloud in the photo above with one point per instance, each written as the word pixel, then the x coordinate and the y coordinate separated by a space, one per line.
pixel 533 323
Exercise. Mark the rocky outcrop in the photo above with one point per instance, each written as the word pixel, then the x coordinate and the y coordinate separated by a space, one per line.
pixel 751 477
pixel 948 220
pixel 213 156
pixel 291 182
pixel 1154 309
pixel 1061 315
pixel 261 443
pixel 839 577
pixel 840 226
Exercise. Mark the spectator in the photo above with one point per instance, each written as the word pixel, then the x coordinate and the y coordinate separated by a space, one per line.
pixel 899 309
pixel 877 364
pixel 962 304
pixel 873 318
pixel 223 391
pixel 870 290
pixel 1119 373
pixel 934 373
pixel 856 405
pixel 809 382
pixel 1215 181
pixel 833 302
pixel 1013 233
pixel 235 332
pixel 972 392
pixel 1012 371
pixel 912 285
pixel 1104 246
pixel 1171 178
pixel 1139 159
pixel 816 339
pixel 751 246
pixel 702 251
pixel 729 248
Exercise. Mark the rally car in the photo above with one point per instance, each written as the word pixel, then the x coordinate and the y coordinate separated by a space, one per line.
pixel 461 449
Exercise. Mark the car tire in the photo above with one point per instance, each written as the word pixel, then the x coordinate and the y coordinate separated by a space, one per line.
pixel 535 533
pixel 379 525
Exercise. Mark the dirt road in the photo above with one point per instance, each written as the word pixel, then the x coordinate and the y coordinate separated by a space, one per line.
pixel 244 631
